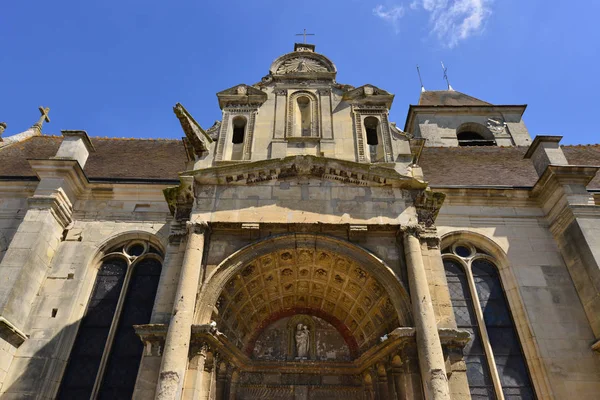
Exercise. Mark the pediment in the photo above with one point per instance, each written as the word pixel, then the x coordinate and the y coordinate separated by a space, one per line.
pixel 343 171
pixel 241 95
pixel 303 64
pixel 369 94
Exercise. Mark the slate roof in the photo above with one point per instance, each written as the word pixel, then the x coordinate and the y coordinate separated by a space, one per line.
pixel 449 98
pixel 494 166
pixel 113 158
pixel 163 159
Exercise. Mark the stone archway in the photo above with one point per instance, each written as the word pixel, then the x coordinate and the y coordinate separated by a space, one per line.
pixel 312 273
pixel 348 297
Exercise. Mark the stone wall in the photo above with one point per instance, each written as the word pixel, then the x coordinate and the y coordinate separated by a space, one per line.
pixel 440 128
pixel 554 332
pixel 37 366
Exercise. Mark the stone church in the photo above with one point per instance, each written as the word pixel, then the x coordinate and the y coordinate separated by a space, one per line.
pixel 302 247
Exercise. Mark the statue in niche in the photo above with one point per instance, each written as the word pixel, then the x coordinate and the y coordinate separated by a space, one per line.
pixel 302 341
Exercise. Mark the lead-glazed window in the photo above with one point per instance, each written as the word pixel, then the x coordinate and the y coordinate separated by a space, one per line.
pixel 494 356
pixel 106 355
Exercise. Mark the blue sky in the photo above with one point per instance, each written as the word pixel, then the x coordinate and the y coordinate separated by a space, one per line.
pixel 116 68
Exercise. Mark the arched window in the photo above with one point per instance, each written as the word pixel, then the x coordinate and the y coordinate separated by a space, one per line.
pixel 373 132
pixel 473 134
pixel 239 131
pixel 304 116
pixel 494 356
pixel 106 355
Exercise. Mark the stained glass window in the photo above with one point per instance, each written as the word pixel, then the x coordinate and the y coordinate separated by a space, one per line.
pixel 124 350
pixel 510 368
pixel 478 373
pixel 510 362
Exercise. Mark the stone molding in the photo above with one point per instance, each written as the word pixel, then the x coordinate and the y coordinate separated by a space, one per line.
pixel 153 337
pixel 428 205
pixel 59 199
pixel 305 165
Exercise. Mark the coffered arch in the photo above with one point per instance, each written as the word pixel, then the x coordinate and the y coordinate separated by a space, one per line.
pixel 310 274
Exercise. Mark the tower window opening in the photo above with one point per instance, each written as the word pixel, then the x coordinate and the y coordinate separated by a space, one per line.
pixel 305 117
pixel 371 124
pixel 239 131
pixel 373 132
pixel 474 134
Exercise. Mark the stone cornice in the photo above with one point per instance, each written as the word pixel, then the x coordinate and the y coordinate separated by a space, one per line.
pixel 349 172
pixel 564 175
pixel 481 196
pixel 68 183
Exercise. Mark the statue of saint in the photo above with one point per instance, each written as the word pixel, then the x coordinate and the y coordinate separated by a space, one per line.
pixel 302 341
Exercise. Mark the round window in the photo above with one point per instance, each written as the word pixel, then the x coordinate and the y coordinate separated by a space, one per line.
pixel 136 250
pixel 462 251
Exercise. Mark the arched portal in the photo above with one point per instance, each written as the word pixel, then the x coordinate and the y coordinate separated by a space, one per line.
pixel 317 275
pixel 302 316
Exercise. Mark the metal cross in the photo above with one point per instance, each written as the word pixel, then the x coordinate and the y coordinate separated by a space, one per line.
pixel 305 35
pixel 44 112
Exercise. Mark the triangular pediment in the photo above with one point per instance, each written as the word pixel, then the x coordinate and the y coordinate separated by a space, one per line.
pixel 348 172
pixel 369 94
pixel 241 94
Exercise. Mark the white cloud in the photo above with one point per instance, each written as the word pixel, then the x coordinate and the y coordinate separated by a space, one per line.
pixel 455 20
pixel 451 21
pixel 391 15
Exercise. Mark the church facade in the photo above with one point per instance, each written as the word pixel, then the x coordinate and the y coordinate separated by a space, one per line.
pixel 303 247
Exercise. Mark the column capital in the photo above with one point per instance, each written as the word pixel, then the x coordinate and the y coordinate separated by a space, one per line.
pixel 411 230
pixel 200 227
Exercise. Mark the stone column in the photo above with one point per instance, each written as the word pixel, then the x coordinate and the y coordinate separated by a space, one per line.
pixel 233 383
pixel 431 357
pixel 172 371
pixel 382 384
pixel 221 381
pixel 399 384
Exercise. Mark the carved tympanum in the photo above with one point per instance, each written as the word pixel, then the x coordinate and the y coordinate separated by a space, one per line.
pixel 301 64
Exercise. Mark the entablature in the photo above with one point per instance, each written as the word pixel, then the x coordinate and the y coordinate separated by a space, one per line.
pixel 306 165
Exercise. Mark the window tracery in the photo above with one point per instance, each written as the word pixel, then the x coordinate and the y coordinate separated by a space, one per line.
pixel 105 357
pixel 494 358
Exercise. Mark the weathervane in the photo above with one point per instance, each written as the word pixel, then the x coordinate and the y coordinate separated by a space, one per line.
pixel 446 76
pixel 305 35
pixel 420 80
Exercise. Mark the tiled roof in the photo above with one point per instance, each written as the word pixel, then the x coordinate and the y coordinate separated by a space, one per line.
pixel 449 98
pixel 494 166
pixel 163 159
pixel 113 158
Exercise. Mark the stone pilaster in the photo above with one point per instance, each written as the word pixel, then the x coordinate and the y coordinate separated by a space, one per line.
pixel 431 357
pixel 30 254
pixel 173 367
pixel 574 219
